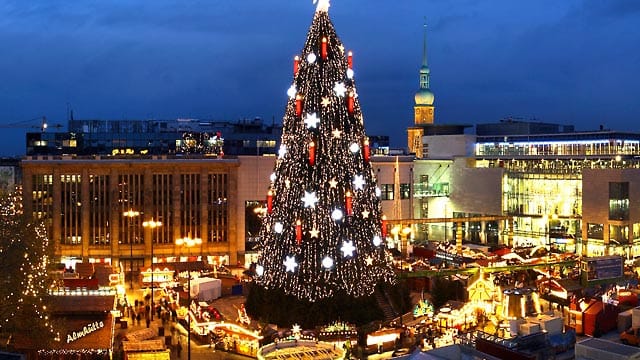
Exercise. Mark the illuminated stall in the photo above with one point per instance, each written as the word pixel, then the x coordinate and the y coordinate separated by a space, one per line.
pixel 160 275
pixel 89 327
pixel 383 340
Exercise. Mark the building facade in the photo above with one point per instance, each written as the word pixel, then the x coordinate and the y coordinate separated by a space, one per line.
pixel 84 203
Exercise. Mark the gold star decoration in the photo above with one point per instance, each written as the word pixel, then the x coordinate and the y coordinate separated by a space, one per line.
pixel 326 101
pixel 365 214
pixel 287 183
pixel 336 133
pixel 333 183
pixel 314 233
pixel 369 261
pixel 341 47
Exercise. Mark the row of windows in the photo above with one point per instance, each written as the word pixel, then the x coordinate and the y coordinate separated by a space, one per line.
pixel 105 203
pixel 388 191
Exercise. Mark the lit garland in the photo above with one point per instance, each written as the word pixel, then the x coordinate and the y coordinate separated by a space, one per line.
pixel 25 251
pixel 323 186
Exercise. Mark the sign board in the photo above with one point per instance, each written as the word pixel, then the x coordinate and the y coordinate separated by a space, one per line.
pixel 603 268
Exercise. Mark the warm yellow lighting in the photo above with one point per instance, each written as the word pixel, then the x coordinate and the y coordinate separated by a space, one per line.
pixel 152 224
pixel 131 213
pixel 188 241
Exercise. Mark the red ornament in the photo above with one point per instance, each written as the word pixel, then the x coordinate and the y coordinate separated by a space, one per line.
pixel 350 102
pixel 383 226
pixel 366 151
pixel 296 65
pixel 269 201
pixel 312 153
pixel 323 48
pixel 349 203
pixel 298 105
pixel 298 232
pixel 350 60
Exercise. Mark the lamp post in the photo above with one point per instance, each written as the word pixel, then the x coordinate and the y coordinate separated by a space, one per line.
pixel 130 214
pixel 188 242
pixel 153 225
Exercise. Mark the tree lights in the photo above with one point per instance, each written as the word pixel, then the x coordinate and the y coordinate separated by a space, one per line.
pixel 26 254
pixel 318 235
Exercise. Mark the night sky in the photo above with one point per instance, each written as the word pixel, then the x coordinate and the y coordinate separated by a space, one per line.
pixel 569 62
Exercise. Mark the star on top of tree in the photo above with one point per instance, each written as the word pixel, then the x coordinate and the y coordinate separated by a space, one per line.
pixel 323 5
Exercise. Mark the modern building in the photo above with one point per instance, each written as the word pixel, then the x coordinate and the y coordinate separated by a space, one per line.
pixel 158 137
pixel 522 182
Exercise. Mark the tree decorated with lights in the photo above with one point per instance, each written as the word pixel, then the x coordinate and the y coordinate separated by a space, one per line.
pixel 25 252
pixel 323 229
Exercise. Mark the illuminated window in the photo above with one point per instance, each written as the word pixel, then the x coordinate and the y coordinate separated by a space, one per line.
pixel 405 191
pixel 618 201
pixel 387 191
pixel 595 231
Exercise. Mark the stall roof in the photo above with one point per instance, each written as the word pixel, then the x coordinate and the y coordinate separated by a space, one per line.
pixel 87 332
pixel 141 335
pixel 82 304
pixel 146 345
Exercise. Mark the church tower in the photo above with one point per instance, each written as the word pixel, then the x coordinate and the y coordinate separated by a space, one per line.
pixel 423 108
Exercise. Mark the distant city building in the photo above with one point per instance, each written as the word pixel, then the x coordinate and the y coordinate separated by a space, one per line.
pixel 158 137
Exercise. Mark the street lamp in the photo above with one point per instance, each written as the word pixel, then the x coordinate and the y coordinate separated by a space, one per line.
pixel 152 225
pixel 188 242
pixel 130 214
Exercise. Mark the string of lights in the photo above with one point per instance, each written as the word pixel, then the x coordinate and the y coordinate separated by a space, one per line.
pixel 322 230
pixel 25 251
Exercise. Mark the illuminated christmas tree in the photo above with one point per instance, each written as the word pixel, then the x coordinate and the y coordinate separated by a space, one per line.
pixel 26 254
pixel 322 234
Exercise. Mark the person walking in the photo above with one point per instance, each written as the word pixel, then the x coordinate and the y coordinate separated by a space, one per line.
pixel 179 349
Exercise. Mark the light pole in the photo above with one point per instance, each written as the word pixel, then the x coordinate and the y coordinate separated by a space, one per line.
pixel 130 214
pixel 188 242
pixel 153 225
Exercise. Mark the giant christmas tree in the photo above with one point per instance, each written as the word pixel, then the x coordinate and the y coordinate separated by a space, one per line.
pixel 322 237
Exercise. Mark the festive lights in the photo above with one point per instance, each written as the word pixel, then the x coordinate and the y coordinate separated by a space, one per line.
pixel 324 232
pixel 323 48
pixel 298 105
pixel 298 232
pixel 296 65
pixel 349 203
pixel 269 201
pixel 366 153
pixel 350 102
pixel 311 120
pixel 310 199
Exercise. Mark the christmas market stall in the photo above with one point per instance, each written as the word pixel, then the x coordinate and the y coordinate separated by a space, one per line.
pixel 88 323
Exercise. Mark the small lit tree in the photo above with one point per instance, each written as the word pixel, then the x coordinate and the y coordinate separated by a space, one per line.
pixel 25 255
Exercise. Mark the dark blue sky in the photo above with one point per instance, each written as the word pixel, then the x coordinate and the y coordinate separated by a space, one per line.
pixel 570 61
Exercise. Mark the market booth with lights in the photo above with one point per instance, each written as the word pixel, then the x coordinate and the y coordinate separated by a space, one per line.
pixel 88 326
